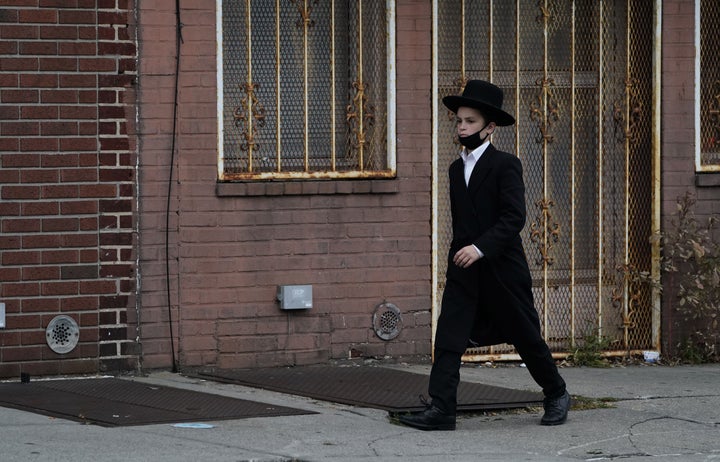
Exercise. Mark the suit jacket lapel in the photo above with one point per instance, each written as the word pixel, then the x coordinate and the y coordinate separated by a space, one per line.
pixel 481 169
pixel 457 175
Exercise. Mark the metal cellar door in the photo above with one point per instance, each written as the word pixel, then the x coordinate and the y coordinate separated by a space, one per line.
pixel 578 77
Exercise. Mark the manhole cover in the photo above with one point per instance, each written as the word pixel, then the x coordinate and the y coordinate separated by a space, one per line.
pixel 62 334
pixel 387 321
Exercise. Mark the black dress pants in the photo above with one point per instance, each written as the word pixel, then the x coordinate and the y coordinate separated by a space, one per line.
pixel 445 374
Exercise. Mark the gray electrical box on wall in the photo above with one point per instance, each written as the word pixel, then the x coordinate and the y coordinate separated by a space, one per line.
pixel 2 315
pixel 297 297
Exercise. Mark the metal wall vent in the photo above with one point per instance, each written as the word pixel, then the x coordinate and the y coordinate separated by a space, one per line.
pixel 62 334
pixel 387 321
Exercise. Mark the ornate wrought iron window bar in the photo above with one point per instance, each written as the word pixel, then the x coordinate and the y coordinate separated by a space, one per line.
pixel 708 75
pixel 579 77
pixel 305 89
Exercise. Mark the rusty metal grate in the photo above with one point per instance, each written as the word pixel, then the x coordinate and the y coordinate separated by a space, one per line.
pixel 111 402
pixel 387 321
pixel 709 87
pixel 304 89
pixel 368 386
pixel 578 77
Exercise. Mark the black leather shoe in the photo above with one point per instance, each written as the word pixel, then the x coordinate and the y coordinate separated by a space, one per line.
pixel 431 418
pixel 556 410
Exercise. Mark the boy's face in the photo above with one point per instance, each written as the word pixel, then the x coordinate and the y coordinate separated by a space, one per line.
pixel 469 120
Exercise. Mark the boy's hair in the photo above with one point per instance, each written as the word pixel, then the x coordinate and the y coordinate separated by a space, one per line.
pixel 482 113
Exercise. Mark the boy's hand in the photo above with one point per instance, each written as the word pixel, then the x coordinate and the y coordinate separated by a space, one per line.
pixel 466 256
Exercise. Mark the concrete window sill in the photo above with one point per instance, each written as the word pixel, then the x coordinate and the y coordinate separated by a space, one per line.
pixel 707 179
pixel 298 188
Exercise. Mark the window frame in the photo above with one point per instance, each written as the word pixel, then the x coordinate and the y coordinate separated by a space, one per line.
pixel 391 146
pixel 700 167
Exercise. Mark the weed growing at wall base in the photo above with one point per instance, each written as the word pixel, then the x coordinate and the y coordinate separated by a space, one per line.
pixel 589 353
pixel 691 258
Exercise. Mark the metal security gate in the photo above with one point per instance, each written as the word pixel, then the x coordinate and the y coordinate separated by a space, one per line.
pixel 578 77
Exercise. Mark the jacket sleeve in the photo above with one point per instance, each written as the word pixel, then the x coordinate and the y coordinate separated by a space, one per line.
pixel 510 209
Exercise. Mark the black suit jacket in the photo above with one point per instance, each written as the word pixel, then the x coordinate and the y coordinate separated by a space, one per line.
pixel 490 302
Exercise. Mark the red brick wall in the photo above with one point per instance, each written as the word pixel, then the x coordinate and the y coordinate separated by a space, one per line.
pixel 67 70
pixel 678 143
pixel 357 247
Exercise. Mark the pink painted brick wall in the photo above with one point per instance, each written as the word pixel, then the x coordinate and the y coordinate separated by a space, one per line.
pixel 228 253
pixel 678 145
pixel 67 183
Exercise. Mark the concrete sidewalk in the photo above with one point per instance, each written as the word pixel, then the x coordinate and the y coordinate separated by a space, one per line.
pixel 661 413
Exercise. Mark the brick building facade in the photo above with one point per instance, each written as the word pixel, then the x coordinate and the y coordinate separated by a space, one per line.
pixel 357 242
pixel 67 184
pixel 92 108
pixel 678 149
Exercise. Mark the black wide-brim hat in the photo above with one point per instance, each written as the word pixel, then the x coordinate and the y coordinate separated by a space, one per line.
pixel 483 96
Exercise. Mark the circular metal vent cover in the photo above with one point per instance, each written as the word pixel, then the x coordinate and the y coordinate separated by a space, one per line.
pixel 62 334
pixel 387 321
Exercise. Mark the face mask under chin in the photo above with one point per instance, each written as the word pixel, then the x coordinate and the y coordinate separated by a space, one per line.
pixel 473 141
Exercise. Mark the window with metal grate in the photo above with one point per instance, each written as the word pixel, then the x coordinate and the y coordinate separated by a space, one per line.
pixel 305 89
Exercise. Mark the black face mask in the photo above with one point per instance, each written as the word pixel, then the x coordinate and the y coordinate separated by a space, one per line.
pixel 473 141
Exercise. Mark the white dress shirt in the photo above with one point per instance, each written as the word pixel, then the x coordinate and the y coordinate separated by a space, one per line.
pixel 469 160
